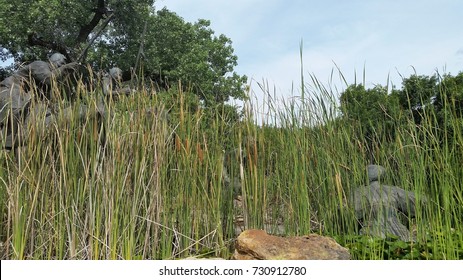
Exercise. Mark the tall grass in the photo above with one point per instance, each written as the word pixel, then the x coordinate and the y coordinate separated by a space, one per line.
pixel 320 160
pixel 146 181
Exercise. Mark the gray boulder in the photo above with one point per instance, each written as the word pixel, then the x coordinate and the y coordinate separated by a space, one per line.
pixel 14 107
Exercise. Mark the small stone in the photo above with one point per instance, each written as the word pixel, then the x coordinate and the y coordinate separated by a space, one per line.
pixel 258 245
pixel 375 172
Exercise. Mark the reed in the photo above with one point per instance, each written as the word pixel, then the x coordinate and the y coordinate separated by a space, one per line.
pixel 146 181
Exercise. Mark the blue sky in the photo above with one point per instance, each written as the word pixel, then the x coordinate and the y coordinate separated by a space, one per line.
pixel 386 37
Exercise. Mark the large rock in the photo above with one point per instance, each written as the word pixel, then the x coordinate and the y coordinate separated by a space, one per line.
pixel 258 245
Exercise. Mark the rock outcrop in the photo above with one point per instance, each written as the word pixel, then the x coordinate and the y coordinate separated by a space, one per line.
pixel 258 245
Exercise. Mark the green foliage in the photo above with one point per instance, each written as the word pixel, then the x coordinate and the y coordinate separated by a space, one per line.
pixel 429 99
pixel 366 108
pixel 433 247
pixel 178 50
pixel 435 100
pixel 448 103
pixel 416 95
pixel 162 46
pixel 119 45
pixel 450 93
pixel 57 25
pixel 417 91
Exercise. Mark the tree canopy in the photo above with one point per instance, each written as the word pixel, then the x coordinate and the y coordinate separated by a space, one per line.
pixel 376 114
pixel 367 108
pixel 129 33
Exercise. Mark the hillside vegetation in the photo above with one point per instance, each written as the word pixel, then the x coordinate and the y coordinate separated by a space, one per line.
pixel 146 182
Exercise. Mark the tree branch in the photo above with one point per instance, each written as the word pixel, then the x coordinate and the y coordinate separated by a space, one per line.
pixel 100 12
pixel 84 52
pixel 35 40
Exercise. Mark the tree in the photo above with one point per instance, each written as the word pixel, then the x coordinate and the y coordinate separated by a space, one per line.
pixel 448 107
pixel 428 101
pixel 31 29
pixel 168 48
pixel 373 111
pixel 450 95
pixel 191 53
pixel 417 94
